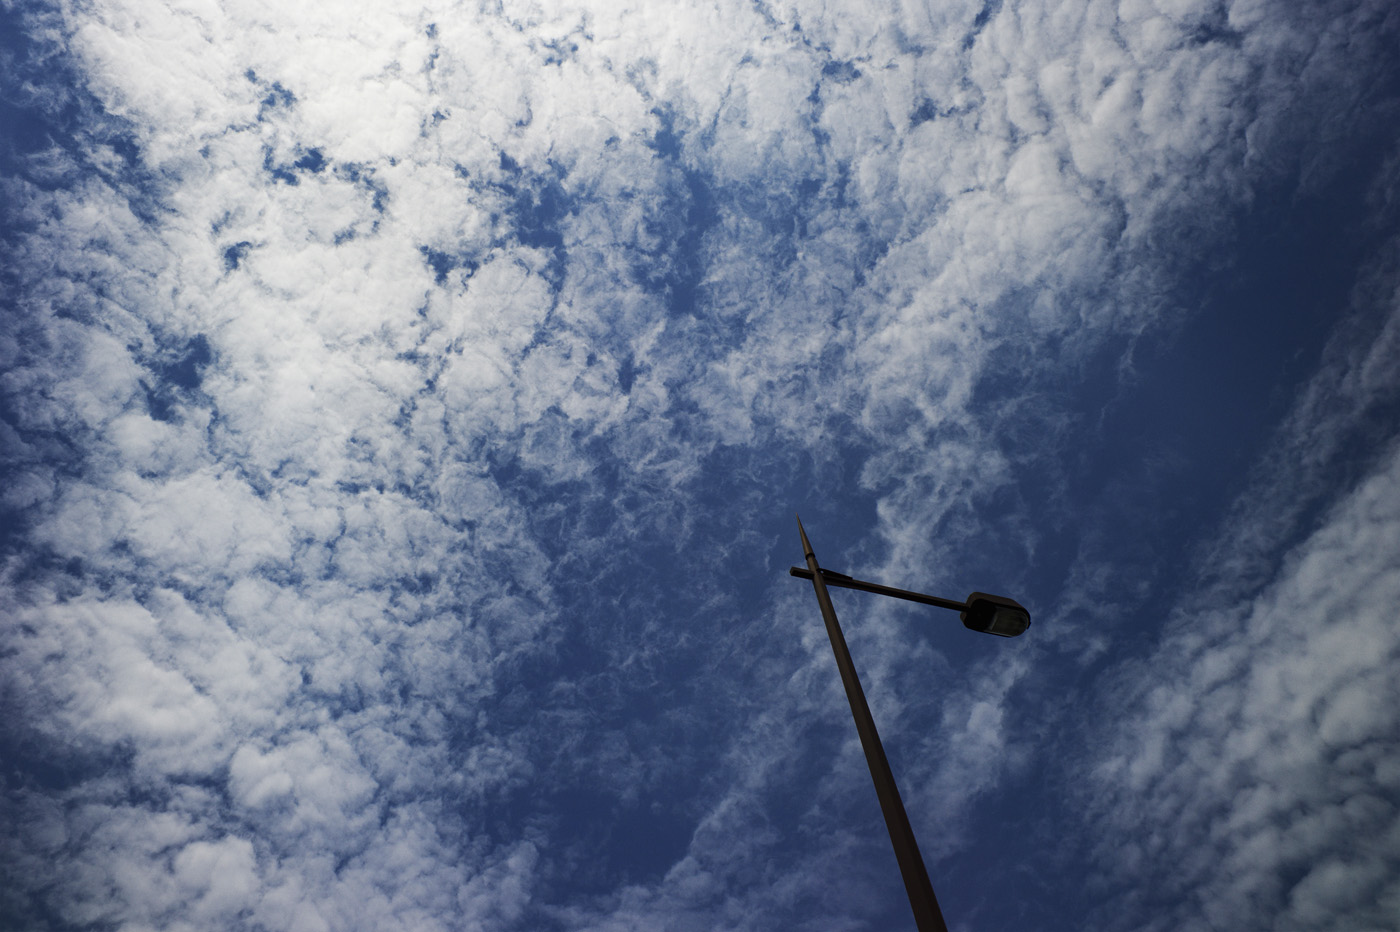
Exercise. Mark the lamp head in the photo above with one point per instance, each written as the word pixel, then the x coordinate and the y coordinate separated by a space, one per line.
pixel 995 614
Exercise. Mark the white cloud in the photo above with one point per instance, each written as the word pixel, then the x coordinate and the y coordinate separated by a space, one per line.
pixel 217 877
pixel 1262 727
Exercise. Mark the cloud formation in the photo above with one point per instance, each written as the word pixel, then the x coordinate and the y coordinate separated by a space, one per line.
pixel 1264 737
pixel 376 381
pixel 1261 727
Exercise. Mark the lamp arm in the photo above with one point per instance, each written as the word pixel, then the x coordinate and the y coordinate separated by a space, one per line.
pixel 847 582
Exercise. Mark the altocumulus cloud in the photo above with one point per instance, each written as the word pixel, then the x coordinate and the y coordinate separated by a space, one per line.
pixel 374 377
pixel 1262 727
pixel 1265 738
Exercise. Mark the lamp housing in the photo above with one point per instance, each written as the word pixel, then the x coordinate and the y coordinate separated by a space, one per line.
pixel 995 614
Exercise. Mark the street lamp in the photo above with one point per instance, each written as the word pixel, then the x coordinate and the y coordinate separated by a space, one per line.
pixel 991 614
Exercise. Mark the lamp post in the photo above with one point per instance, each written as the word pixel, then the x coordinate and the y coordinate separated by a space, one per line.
pixel 981 612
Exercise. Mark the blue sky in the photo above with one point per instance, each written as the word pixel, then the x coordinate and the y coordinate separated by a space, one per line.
pixel 403 413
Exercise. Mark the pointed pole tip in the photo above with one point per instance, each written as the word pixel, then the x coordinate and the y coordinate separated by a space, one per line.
pixel 806 544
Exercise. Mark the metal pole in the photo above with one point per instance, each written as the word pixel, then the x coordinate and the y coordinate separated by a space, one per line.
pixel 927 915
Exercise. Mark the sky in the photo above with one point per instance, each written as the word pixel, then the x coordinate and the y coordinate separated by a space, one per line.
pixel 404 411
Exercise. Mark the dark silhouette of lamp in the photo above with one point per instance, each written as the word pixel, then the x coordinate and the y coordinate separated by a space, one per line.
pixel 990 614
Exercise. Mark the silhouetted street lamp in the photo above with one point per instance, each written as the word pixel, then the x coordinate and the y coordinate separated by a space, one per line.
pixel 991 614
